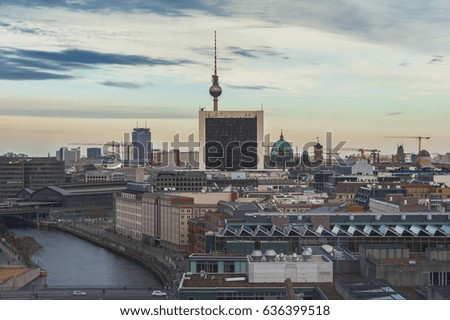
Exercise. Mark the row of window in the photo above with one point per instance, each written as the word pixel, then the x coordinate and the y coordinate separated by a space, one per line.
pixel 213 267
pixel 180 179
pixel 182 184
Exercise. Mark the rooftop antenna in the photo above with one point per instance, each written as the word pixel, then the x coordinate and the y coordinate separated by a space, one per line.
pixel 215 90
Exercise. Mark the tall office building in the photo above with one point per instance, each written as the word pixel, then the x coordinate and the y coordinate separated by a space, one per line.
pixel 142 145
pixel 229 140
pixel 94 153
pixel 69 156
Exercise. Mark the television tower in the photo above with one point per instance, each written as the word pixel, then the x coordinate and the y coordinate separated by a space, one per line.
pixel 215 90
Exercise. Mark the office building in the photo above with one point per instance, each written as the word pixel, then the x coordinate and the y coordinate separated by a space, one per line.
pixel 36 172
pixel 415 230
pixel 69 156
pixel 231 140
pixel 142 146
pixel 94 153
pixel 178 180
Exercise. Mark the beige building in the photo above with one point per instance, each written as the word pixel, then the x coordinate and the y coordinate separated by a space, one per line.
pixel 135 174
pixel 128 214
pixel 163 218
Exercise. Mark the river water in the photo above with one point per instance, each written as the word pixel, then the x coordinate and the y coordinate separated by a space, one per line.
pixel 73 262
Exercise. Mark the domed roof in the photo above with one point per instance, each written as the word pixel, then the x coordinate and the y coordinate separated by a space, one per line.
pixel 424 153
pixel 281 146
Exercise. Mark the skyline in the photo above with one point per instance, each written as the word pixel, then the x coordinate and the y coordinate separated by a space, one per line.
pixel 87 71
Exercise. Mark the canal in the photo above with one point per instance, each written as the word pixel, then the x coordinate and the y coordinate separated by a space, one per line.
pixel 73 262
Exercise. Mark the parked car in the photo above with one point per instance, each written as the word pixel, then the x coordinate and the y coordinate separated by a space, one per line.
pixel 158 293
pixel 78 293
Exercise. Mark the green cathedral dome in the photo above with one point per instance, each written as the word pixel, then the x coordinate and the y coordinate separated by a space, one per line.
pixel 281 148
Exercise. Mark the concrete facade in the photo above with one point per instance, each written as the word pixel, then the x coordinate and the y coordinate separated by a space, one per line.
pixel 394 264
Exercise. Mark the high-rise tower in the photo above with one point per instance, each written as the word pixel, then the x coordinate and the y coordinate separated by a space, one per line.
pixel 215 90
pixel 229 140
pixel 142 145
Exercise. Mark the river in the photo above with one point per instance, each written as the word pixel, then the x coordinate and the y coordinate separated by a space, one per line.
pixel 73 262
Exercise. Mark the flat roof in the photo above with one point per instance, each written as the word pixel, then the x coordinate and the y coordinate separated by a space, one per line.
pixel 217 281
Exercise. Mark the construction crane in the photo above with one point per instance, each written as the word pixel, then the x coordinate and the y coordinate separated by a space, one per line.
pixel 374 152
pixel 419 138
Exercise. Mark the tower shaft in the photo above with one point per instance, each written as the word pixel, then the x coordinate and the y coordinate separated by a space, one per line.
pixel 215 90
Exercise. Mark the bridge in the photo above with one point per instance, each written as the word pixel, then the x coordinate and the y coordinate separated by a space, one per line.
pixel 89 293
pixel 29 210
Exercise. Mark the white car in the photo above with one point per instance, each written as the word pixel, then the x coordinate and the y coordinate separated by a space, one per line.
pixel 158 293
pixel 78 293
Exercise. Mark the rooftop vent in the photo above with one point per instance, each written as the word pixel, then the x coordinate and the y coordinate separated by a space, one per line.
pixel 307 254
pixel 270 255
pixel 256 255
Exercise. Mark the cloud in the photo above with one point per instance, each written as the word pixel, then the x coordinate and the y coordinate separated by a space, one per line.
pixel 21 64
pixel 392 114
pixel 436 59
pixel 76 57
pixel 124 85
pixel 253 87
pixel 255 53
pixel 13 28
pixel 173 7
pixel 17 69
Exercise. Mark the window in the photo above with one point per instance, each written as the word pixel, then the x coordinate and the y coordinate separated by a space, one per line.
pixel 436 278
pixel 207 266
pixel 228 267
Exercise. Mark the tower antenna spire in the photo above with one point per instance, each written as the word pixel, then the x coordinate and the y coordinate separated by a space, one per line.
pixel 215 90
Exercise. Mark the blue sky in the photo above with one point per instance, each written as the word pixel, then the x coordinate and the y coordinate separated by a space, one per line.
pixel 82 71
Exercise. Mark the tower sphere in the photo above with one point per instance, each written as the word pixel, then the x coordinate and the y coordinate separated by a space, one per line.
pixel 215 91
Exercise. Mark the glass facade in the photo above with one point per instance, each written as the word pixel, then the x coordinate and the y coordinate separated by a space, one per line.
pixel 231 143
pixel 142 145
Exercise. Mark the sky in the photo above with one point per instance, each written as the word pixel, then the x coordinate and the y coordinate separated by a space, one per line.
pixel 88 71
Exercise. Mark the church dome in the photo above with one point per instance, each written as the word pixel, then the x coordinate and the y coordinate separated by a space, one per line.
pixel 281 148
